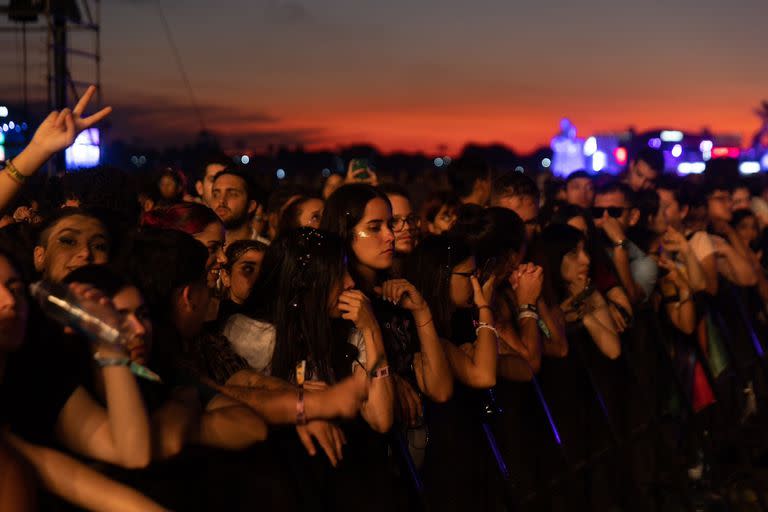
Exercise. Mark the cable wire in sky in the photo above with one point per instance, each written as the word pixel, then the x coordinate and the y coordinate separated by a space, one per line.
pixel 180 65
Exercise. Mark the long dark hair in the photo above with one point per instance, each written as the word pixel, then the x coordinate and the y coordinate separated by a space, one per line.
pixel 301 269
pixel 554 242
pixel 493 234
pixel 429 269
pixel 289 218
pixel 161 262
pixel 599 259
pixel 344 209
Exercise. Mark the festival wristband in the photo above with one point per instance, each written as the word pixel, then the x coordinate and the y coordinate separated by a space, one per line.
pixel 527 307
pixel 380 373
pixel 144 372
pixel 103 362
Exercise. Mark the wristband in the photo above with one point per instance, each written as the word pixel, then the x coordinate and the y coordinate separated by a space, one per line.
pixel 544 329
pixel 528 307
pixel 380 373
pixel 621 243
pixel 14 173
pixel 528 314
pixel 103 362
pixel 301 417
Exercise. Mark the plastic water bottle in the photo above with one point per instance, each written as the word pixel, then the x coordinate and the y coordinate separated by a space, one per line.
pixel 97 322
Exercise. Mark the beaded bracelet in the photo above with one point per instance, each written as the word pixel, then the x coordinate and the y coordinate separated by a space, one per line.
pixel 483 325
pixel 528 314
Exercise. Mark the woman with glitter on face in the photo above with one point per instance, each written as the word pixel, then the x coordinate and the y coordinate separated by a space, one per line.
pixel 362 215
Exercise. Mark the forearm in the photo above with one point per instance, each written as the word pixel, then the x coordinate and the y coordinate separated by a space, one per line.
pixel 682 316
pixel 231 428
pixel 618 296
pixel 127 416
pixel 279 407
pixel 254 379
pixel 475 365
pixel 604 335
pixel 741 271
pixel 515 368
pixel 78 484
pixel 171 427
pixel 433 373
pixel 696 276
pixel 378 409
pixel 557 343
pixel 485 355
pixel 738 244
pixel 621 262
pixel 27 162
pixel 709 265
pixel 530 334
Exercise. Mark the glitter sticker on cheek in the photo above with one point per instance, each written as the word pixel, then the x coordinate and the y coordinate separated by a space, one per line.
pixel 363 234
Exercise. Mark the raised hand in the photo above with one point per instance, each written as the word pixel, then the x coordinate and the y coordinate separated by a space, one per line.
pixel 578 285
pixel 96 303
pixel 674 241
pixel 482 295
pixel 356 307
pixel 60 129
pixel 675 275
pixel 526 283
pixel 360 174
pixel 612 228
pixel 402 293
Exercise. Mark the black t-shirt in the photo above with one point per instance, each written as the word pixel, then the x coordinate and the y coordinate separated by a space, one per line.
pixel 401 341
pixel 39 379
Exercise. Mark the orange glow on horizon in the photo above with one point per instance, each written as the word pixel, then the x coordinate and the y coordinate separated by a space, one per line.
pixel 523 129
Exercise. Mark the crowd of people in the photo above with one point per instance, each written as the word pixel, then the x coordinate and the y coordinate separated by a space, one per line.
pixel 489 342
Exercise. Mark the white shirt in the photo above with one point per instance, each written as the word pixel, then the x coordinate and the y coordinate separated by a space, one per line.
pixel 254 341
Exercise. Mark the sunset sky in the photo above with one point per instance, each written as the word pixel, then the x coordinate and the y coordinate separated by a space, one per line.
pixel 431 76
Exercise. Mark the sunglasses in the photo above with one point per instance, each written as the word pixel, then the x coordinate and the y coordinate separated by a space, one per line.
pixel 613 211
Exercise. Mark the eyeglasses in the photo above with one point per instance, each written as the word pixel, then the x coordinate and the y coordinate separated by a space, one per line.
pixel 398 223
pixel 613 211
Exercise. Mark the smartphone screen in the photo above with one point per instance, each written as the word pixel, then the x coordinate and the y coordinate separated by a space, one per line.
pixel 360 163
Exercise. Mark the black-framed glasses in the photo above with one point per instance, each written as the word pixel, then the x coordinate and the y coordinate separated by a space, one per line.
pixel 613 211
pixel 398 223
